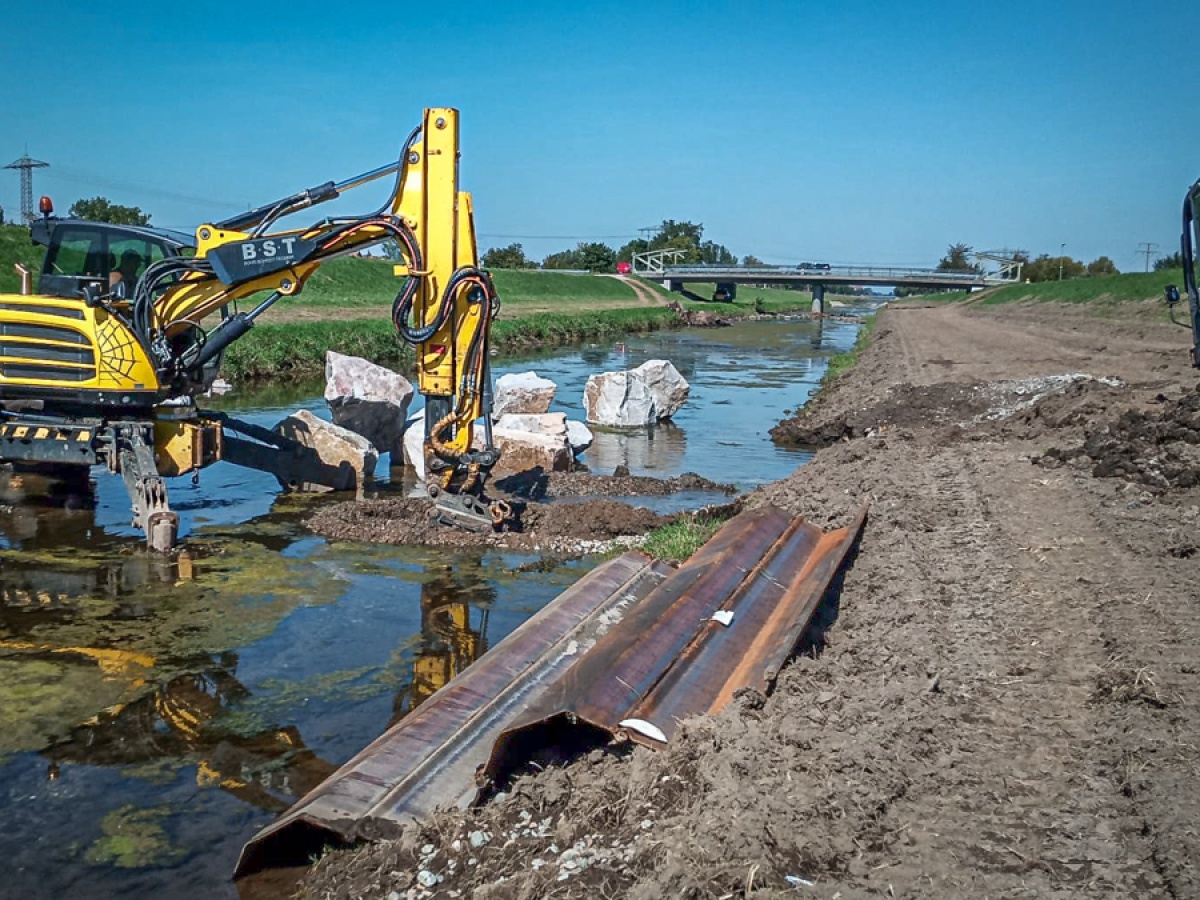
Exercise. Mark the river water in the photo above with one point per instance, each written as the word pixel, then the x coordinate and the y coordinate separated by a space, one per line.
pixel 155 714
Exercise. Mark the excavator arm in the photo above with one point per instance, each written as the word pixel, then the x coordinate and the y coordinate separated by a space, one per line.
pixel 165 341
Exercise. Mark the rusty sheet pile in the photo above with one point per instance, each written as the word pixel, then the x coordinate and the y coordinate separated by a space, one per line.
pixel 628 652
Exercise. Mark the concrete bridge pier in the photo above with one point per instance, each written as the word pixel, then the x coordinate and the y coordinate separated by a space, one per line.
pixel 818 304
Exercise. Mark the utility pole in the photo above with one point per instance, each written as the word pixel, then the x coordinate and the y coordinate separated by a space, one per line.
pixel 1062 255
pixel 27 165
pixel 1147 248
pixel 648 232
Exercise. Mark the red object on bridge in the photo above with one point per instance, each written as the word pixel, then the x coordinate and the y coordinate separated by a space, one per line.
pixel 624 268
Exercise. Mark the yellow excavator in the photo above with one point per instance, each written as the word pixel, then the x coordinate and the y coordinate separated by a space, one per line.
pixel 103 364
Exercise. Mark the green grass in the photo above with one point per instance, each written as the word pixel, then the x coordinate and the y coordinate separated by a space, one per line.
pixel 749 300
pixel 15 247
pixel 355 282
pixel 1107 290
pixel 679 540
pixel 840 363
pixel 296 350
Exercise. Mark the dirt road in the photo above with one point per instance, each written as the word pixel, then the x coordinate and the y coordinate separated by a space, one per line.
pixel 1003 700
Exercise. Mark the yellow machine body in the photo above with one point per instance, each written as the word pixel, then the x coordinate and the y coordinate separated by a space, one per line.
pixel 58 344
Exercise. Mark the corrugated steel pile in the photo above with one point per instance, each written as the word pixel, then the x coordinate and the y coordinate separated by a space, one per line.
pixel 627 653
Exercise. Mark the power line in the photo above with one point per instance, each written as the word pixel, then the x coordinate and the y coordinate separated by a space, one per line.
pixel 1148 248
pixel 102 182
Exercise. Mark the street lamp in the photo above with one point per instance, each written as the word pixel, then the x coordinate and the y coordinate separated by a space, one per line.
pixel 1061 256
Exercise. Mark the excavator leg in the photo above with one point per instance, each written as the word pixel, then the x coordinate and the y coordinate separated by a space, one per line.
pixel 147 491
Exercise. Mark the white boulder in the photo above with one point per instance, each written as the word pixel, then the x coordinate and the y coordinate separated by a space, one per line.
pixel 553 424
pixel 414 443
pixel 619 400
pixel 669 388
pixel 344 460
pixel 369 400
pixel 522 392
pixel 579 436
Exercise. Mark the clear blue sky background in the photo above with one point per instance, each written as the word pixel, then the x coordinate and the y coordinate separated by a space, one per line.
pixel 849 132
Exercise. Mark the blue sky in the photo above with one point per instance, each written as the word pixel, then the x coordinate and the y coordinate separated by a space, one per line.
pixel 850 133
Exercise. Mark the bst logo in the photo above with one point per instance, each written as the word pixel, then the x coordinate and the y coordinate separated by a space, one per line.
pixel 234 263
pixel 268 248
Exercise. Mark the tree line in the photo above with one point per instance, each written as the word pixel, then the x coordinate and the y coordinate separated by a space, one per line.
pixel 595 256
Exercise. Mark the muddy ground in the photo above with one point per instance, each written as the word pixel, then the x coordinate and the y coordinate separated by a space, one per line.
pixel 1005 701
pixel 576 527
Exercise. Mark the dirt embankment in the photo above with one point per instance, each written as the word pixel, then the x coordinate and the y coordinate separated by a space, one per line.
pixel 1003 700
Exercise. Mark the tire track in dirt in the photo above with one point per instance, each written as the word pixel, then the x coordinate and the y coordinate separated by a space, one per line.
pixel 646 295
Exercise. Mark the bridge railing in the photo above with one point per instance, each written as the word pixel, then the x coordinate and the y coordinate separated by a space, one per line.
pixel 850 272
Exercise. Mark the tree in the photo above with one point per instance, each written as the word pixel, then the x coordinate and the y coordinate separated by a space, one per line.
pixel 716 255
pixel 1174 261
pixel 510 257
pixel 751 260
pixel 956 260
pixel 637 245
pixel 597 257
pixel 1050 268
pixel 1 215
pixel 1102 265
pixel 101 209
pixel 564 259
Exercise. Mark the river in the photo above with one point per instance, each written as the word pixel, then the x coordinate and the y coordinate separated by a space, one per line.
pixel 155 713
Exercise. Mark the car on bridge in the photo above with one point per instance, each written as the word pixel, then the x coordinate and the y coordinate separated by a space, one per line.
pixel 813 267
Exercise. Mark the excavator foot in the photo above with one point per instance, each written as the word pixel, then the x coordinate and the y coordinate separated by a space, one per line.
pixel 147 492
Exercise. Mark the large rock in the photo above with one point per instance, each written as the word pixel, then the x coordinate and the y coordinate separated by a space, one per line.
pixel 619 400
pixel 525 442
pixel 342 460
pixel 579 436
pixel 553 424
pixel 522 392
pixel 669 388
pixel 414 443
pixel 521 451
pixel 369 400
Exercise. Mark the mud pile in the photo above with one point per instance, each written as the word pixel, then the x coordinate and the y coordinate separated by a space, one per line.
pixel 565 528
pixel 1160 448
pixel 568 527
pixel 1027 405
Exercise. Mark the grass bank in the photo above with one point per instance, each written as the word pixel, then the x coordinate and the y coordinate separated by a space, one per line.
pixel 840 363
pixel 297 349
pixel 750 300
pixel 1107 293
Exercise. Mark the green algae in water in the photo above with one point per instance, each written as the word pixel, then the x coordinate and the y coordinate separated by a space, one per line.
pixel 134 839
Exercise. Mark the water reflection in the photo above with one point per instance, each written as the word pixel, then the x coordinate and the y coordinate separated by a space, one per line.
pixel 135 704
pixel 656 450
pixel 179 722
pixel 449 640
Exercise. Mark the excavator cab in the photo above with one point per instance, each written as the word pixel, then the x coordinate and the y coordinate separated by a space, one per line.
pixel 82 254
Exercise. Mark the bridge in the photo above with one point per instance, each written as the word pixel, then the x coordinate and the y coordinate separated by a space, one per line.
pixel 658 265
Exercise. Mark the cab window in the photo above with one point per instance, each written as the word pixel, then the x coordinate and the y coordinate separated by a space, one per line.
pixel 77 253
